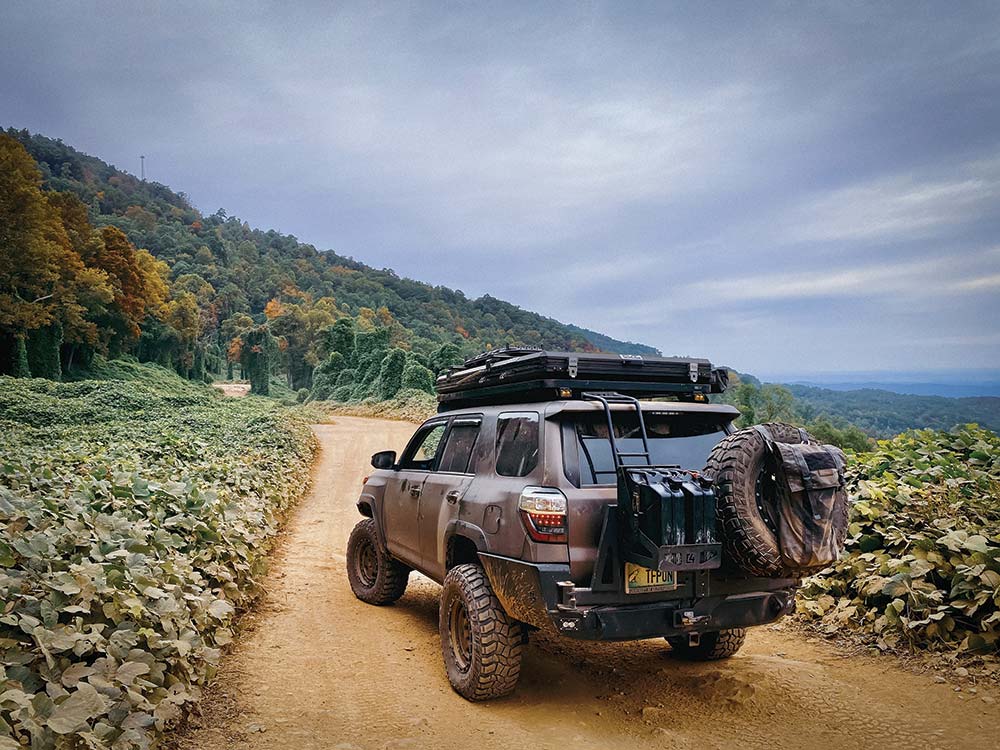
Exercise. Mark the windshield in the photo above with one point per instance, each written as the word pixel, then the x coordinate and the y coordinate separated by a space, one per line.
pixel 675 439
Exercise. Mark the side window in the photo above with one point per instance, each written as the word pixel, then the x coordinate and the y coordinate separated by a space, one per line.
pixel 424 447
pixel 458 448
pixel 517 443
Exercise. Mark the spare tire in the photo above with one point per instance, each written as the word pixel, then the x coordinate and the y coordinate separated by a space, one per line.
pixel 746 499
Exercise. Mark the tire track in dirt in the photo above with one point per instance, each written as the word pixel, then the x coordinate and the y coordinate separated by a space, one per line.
pixel 319 669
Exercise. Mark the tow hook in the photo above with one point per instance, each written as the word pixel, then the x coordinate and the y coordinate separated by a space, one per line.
pixel 688 619
pixel 567 595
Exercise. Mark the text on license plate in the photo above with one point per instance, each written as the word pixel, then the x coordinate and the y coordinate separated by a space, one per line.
pixel 640 580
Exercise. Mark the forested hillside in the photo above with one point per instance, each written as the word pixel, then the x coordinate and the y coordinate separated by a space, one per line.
pixel 212 292
pixel 884 414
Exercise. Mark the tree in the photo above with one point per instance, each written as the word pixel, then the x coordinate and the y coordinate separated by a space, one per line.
pixel 42 347
pixel 117 257
pixel 230 337
pixel 257 355
pixel 183 316
pixel 42 276
pixel 416 376
pixel 325 376
pixel 445 356
pixel 338 337
pixel 390 376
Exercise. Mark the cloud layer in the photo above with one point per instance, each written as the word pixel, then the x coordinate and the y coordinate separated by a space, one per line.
pixel 778 187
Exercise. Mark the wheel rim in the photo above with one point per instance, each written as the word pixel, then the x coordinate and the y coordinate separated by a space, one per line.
pixel 763 507
pixel 367 563
pixel 460 632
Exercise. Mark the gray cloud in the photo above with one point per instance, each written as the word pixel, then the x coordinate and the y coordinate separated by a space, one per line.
pixel 711 179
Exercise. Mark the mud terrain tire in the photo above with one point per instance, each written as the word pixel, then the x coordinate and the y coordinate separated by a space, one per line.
pixel 375 576
pixel 749 533
pixel 718 645
pixel 481 645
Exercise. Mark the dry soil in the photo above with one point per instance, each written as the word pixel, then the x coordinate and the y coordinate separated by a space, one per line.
pixel 316 668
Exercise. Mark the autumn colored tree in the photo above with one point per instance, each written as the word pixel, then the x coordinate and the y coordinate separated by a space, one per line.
pixel 231 338
pixel 183 316
pixel 298 324
pixel 42 276
pixel 117 257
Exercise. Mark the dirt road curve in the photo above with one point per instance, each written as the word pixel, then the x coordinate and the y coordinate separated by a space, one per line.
pixel 322 670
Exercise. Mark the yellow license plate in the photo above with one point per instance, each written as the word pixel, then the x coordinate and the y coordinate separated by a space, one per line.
pixel 640 580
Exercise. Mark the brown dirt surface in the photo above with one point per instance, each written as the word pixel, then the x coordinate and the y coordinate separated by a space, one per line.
pixel 233 390
pixel 316 668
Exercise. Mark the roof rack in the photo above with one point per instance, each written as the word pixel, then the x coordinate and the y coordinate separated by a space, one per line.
pixel 507 376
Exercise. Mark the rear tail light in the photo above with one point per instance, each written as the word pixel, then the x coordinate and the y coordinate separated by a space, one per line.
pixel 543 512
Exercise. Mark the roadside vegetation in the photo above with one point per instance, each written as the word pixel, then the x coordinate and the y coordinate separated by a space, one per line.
pixel 135 520
pixel 922 565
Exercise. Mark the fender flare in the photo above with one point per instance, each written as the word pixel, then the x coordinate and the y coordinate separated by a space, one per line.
pixel 468 531
pixel 368 507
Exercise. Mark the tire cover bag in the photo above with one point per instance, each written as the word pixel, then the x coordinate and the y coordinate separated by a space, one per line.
pixel 810 500
pixel 765 512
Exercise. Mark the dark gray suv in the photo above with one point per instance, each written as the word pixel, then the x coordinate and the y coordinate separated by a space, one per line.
pixel 511 509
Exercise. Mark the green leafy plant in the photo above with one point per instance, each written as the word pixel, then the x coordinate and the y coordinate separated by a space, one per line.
pixel 134 523
pixel 922 565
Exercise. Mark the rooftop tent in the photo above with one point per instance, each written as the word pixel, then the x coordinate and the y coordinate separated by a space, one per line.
pixel 524 375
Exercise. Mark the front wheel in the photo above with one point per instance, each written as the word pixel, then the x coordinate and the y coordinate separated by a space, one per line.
pixel 481 645
pixel 375 576
pixel 720 644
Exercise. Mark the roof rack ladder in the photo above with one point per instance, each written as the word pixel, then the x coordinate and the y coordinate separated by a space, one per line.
pixel 608 398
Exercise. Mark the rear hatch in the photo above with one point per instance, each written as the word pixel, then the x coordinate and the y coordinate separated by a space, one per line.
pixel 676 438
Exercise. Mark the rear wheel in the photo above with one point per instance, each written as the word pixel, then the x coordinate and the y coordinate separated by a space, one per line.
pixel 376 577
pixel 720 644
pixel 481 645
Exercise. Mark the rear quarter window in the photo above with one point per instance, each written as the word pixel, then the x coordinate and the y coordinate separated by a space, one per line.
pixel 517 443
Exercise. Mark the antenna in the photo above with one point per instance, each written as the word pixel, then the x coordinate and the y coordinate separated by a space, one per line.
pixel 142 167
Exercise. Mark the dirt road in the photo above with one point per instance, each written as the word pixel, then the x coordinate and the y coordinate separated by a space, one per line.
pixel 319 669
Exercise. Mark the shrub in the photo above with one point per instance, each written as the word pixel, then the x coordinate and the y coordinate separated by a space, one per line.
pixel 922 565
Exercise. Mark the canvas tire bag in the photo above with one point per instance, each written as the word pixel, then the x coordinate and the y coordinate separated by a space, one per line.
pixel 810 500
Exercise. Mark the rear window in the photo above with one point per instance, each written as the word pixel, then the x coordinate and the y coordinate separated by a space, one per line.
pixel 517 443
pixel 678 439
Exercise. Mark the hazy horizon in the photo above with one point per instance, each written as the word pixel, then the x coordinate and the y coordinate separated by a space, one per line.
pixel 781 189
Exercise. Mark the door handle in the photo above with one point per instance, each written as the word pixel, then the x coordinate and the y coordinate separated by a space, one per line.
pixel 415 490
pixel 452 497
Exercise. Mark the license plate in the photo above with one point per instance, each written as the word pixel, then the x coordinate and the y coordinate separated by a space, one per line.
pixel 640 580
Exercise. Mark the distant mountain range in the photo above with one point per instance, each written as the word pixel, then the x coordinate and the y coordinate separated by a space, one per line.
pixel 949 390
pixel 883 413
pixel 949 383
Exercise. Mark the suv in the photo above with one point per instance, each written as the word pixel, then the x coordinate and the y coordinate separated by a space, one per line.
pixel 512 509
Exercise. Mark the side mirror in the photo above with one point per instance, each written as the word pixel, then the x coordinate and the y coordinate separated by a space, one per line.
pixel 384 460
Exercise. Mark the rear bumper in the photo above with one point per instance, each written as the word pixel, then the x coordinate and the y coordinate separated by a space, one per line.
pixel 539 594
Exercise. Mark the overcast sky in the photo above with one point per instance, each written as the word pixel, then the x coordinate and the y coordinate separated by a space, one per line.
pixel 786 188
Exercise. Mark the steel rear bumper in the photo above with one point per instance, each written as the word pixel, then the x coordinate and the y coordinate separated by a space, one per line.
pixel 541 594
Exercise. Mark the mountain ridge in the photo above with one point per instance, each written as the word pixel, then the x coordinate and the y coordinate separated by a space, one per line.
pixel 213 247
